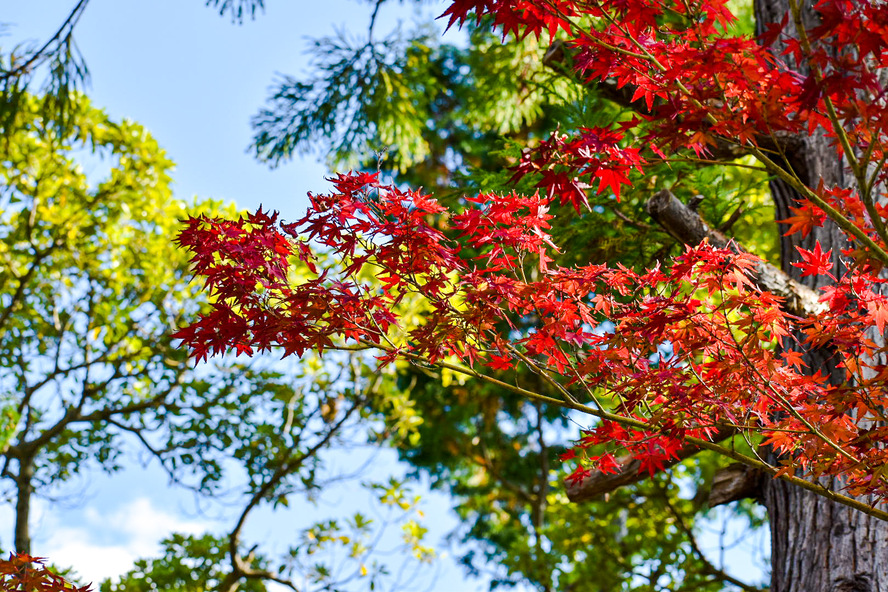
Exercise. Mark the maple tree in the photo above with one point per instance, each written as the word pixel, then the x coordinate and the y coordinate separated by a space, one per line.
pixel 473 109
pixel 669 360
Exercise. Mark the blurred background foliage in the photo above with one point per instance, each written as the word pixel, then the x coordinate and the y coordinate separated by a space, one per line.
pixel 92 286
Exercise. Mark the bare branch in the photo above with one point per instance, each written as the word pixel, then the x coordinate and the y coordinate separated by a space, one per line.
pixel 735 482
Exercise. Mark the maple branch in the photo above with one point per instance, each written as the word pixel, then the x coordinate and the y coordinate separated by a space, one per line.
pixel 685 225
pixel 760 151
pixel 629 472
pixel 559 59
pixel 691 441
pixel 762 147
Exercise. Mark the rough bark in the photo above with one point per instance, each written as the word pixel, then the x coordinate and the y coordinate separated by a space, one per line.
pixel 820 546
pixel 816 545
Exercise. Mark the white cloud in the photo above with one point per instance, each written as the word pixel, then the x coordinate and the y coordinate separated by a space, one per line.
pixel 93 563
pixel 137 527
pixel 141 521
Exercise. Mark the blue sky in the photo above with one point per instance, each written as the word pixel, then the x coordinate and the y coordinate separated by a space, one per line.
pixel 194 79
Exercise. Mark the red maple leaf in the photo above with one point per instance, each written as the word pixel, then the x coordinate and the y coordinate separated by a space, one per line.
pixel 814 262
pixel 806 218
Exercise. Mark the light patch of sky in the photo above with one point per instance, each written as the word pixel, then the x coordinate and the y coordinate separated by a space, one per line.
pixel 733 546
pixel 106 543
pixel 127 515
pixel 194 80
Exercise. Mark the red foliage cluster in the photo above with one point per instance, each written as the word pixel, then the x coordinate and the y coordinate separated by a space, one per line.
pixel 687 350
pixel 594 155
pixel 23 573
pixel 666 354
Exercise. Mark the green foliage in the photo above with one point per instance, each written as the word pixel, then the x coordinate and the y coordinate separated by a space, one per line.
pixel 743 10
pixel 237 9
pixel 91 288
pixel 364 97
pixel 423 108
pixel 187 564
pixel 86 308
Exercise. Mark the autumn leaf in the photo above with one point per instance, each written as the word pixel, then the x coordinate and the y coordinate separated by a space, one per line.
pixel 814 262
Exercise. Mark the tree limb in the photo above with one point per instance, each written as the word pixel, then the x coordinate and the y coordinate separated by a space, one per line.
pixel 685 225
pixel 628 473
pixel 725 451
pixel 735 482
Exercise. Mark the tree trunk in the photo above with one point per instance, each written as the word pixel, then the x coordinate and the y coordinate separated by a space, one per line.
pixel 24 489
pixel 817 545
pixel 821 546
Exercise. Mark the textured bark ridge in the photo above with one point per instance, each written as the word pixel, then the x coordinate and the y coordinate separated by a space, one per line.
pixel 820 546
pixel 816 545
